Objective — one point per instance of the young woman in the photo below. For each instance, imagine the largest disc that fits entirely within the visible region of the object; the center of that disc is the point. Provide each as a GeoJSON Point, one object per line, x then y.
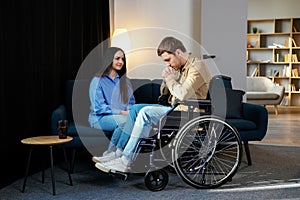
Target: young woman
{"type": "Point", "coordinates": [111, 93]}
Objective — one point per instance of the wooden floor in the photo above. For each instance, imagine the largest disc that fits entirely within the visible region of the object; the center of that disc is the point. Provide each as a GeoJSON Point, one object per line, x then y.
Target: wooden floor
{"type": "Point", "coordinates": [283, 129]}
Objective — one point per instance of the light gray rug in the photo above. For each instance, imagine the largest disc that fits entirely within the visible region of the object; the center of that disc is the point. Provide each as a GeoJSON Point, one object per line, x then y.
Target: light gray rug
{"type": "Point", "coordinates": [272, 166]}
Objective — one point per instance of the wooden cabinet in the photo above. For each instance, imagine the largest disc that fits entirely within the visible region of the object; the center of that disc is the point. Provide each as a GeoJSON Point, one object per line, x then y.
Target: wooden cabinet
{"type": "Point", "coordinates": [274, 51]}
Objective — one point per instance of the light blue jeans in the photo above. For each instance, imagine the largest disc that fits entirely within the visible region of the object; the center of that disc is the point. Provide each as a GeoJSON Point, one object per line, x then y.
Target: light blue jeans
{"type": "Point", "coordinates": [121, 135]}
{"type": "Point", "coordinates": [110, 122]}
{"type": "Point", "coordinates": [147, 116]}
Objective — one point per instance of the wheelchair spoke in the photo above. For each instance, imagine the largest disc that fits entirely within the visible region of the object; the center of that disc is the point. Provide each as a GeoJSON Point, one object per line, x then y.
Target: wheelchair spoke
{"type": "Point", "coordinates": [207, 152]}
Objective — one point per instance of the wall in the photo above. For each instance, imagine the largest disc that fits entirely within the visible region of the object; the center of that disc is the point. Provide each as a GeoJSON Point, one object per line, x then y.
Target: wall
{"type": "Point", "coordinates": [223, 34]}
{"type": "Point", "coordinates": [148, 22]}
{"type": "Point", "coordinates": [134, 14]}
{"type": "Point", "coordinates": [273, 9]}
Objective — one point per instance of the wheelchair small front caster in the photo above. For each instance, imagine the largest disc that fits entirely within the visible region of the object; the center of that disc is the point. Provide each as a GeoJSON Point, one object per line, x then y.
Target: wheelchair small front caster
{"type": "Point", "coordinates": [156, 180]}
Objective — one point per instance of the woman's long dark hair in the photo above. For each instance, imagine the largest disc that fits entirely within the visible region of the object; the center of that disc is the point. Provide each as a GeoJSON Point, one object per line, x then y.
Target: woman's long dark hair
{"type": "Point", "coordinates": [107, 64]}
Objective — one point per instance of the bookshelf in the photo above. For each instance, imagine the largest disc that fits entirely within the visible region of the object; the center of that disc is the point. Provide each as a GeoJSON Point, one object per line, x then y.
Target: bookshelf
{"type": "Point", "coordinates": [274, 51]}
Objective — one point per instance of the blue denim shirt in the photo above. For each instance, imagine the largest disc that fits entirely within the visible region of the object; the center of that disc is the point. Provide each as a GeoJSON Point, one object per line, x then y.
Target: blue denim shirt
{"type": "Point", "coordinates": [105, 97]}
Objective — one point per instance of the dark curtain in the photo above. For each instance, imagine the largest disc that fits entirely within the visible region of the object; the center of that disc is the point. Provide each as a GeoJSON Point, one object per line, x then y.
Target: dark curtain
{"type": "Point", "coordinates": [42, 44]}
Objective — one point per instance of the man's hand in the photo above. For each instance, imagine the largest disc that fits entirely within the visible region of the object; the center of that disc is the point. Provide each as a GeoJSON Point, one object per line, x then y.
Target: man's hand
{"type": "Point", "coordinates": [170, 73]}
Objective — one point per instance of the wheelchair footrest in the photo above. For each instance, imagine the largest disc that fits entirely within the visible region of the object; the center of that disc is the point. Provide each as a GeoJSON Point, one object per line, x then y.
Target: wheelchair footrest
{"type": "Point", "coordinates": [117, 174]}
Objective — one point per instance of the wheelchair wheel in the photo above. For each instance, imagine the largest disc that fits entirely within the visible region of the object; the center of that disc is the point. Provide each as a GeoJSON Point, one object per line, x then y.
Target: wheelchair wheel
{"type": "Point", "coordinates": [207, 152]}
{"type": "Point", "coordinates": [156, 180]}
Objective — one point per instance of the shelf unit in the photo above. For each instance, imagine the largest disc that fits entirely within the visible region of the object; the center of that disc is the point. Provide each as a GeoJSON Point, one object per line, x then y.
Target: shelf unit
{"type": "Point", "coordinates": [274, 51]}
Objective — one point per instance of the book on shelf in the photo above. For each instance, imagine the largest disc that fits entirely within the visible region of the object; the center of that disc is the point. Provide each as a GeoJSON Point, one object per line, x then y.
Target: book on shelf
{"type": "Point", "coordinates": [269, 72]}
{"type": "Point", "coordinates": [285, 101]}
{"type": "Point", "coordinates": [284, 72]}
{"type": "Point", "coordinates": [288, 71]}
{"type": "Point", "coordinates": [254, 72]}
{"type": "Point", "coordinates": [294, 42]}
{"type": "Point", "coordinates": [295, 73]}
{"type": "Point", "coordinates": [275, 45]}
{"type": "Point", "coordinates": [293, 87]}
{"type": "Point", "coordinates": [280, 74]}
{"type": "Point", "coordinates": [294, 58]}
{"type": "Point", "coordinates": [287, 58]}
{"type": "Point", "coordinates": [276, 72]}
{"type": "Point", "coordinates": [287, 43]}
{"type": "Point", "coordinates": [294, 28]}
{"type": "Point", "coordinates": [290, 42]}
{"type": "Point", "coordinates": [256, 45]}
{"type": "Point", "coordinates": [265, 61]}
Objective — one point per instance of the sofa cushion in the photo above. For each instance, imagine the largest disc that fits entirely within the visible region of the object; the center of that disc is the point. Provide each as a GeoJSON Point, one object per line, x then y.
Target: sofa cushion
{"type": "Point", "coordinates": [242, 124]}
{"type": "Point", "coordinates": [156, 83]}
{"type": "Point", "coordinates": [85, 131]}
{"type": "Point", "coordinates": [258, 83]}
{"type": "Point", "coordinates": [262, 95]}
{"type": "Point", "coordinates": [142, 90]}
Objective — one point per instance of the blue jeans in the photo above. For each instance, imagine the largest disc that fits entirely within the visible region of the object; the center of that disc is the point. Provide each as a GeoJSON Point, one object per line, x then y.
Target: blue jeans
{"type": "Point", "coordinates": [110, 122]}
{"type": "Point", "coordinates": [147, 116]}
{"type": "Point", "coordinates": [121, 134]}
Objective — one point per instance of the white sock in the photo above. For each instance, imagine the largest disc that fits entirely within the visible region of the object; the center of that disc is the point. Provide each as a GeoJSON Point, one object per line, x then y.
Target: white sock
{"type": "Point", "coordinates": [126, 161]}
{"type": "Point", "coordinates": [119, 153]}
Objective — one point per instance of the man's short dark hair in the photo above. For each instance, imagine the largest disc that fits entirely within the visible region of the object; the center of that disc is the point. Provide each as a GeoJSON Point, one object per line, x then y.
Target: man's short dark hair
{"type": "Point", "coordinates": [170, 45]}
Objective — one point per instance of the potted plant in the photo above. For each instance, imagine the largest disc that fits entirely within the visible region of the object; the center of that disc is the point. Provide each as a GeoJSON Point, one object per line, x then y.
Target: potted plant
{"type": "Point", "coordinates": [254, 29]}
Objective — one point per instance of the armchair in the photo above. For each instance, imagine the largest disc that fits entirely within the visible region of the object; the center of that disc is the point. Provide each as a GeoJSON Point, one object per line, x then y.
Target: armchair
{"type": "Point", "coordinates": [250, 120]}
{"type": "Point", "coordinates": [262, 91]}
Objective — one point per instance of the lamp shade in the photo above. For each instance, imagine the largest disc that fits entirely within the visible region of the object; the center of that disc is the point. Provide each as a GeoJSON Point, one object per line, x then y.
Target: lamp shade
{"type": "Point", "coordinates": [121, 39]}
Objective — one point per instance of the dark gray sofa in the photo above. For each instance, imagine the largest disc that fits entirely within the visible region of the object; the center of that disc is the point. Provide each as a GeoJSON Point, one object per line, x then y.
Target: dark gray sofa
{"type": "Point", "coordinates": [252, 127]}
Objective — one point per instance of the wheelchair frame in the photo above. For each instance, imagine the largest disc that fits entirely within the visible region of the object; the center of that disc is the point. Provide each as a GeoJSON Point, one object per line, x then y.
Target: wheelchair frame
{"type": "Point", "coordinates": [205, 152]}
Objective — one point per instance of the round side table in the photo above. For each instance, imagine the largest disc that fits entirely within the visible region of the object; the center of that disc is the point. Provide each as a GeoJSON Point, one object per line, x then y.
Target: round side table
{"type": "Point", "coordinates": [50, 141]}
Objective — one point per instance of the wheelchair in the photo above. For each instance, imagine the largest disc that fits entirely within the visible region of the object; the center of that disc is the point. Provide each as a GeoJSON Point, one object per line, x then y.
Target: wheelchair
{"type": "Point", "coordinates": [200, 147]}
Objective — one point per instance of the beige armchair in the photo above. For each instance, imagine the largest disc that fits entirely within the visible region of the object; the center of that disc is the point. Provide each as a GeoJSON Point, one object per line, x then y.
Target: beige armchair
{"type": "Point", "coordinates": [262, 91]}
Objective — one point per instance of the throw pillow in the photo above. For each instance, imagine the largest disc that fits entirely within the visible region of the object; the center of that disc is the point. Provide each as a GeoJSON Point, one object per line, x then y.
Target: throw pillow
{"type": "Point", "coordinates": [234, 103]}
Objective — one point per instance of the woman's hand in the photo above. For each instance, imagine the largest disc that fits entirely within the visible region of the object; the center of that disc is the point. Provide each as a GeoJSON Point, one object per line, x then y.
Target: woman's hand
{"type": "Point", "coordinates": [124, 112]}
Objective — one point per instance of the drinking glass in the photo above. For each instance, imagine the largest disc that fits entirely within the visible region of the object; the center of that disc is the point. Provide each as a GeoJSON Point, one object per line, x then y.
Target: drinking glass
{"type": "Point", "coordinates": [62, 126]}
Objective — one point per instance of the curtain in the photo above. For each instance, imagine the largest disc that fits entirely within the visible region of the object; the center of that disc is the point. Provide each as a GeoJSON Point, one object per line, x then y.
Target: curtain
{"type": "Point", "coordinates": [42, 44]}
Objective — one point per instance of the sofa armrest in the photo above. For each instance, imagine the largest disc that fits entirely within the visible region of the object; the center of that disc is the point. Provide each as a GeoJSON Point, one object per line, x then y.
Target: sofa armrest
{"type": "Point", "coordinates": [58, 114]}
{"type": "Point", "coordinates": [258, 114]}
{"type": "Point", "coordinates": [277, 89]}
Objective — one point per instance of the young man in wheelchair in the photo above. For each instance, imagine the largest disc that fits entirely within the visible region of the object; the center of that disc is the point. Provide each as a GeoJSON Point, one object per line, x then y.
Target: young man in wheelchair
{"type": "Point", "coordinates": [185, 77]}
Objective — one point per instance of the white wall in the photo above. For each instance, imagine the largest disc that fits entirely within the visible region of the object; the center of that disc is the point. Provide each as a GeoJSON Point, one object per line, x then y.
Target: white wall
{"type": "Point", "coordinates": [147, 22]}
{"type": "Point", "coordinates": [223, 22]}
{"type": "Point", "coordinates": [224, 27]}
{"type": "Point", "coordinates": [172, 14]}
{"type": "Point", "coordinates": [273, 9]}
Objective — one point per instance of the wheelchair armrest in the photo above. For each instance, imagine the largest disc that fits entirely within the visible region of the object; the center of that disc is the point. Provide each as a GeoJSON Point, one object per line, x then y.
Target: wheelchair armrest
{"type": "Point", "coordinates": [195, 103]}
{"type": "Point", "coordinates": [59, 113]}
{"type": "Point", "coordinates": [191, 103]}
{"type": "Point", "coordinates": [204, 102]}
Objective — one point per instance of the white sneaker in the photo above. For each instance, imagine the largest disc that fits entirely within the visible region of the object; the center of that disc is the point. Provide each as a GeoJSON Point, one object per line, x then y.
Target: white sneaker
{"type": "Point", "coordinates": [109, 156]}
{"type": "Point", "coordinates": [113, 166]}
{"type": "Point", "coordinates": [106, 152]}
